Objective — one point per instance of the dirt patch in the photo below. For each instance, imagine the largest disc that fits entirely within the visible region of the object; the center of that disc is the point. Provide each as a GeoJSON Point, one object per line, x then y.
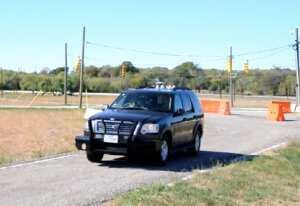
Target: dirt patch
{"type": "Point", "coordinates": [27, 134]}
{"type": "Point", "coordinates": [49, 100]}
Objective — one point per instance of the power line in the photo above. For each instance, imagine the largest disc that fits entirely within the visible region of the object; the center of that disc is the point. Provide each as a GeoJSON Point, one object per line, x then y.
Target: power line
{"type": "Point", "coordinates": [148, 52]}
{"type": "Point", "coordinates": [264, 50]}
{"type": "Point", "coordinates": [189, 55]}
{"type": "Point", "coordinates": [269, 55]}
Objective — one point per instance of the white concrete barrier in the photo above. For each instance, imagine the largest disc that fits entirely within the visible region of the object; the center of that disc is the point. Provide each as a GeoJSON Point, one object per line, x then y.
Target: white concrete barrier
{"type": "Point", "coordinates": [294, 108]}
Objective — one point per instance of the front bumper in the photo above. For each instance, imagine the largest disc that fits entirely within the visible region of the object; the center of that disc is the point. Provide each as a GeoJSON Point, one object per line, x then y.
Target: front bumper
{"type": "Point", "coordinates": [139, 144]}
{"type": "Point", "coordinates": [82, 142]}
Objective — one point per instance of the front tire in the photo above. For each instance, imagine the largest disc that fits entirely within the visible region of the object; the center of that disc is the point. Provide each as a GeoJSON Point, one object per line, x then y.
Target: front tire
{"type": "Point", "coordinates": [95, 157]}
{"type": "Point", "coordinates": [164, 152]}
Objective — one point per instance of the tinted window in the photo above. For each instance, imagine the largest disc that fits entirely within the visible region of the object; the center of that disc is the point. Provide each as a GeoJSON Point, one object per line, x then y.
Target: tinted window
{"type": "Point", "coordinates": [196, 101]}
{"type": "Point", "coordinates": [187, 105]}
{"type": "Point", "coordinates": [160, 102]}
{"type": "Point", "coordinates": [177, 103]}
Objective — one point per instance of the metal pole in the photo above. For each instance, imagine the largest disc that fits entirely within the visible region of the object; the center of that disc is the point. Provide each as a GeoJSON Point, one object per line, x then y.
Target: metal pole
{"type": "Point", "coordinates": [66, 73]}
{"type": "Point", "coordinates": [230, 79]}
{"type": "Point", "coordinates": [82, 68]}
{"type": "Point", "coordinates": [2, 82]}
{"type": "Point", "coordinates": [298, 70]}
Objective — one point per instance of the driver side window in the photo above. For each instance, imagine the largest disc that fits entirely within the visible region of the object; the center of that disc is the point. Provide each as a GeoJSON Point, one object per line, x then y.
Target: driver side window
{"type": "Point", "coordinates": [177, 103]}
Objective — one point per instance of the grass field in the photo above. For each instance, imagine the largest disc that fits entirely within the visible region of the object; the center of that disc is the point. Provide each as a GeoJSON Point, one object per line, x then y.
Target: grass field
{"type": "Point", "coordinates": [49, 100]}
{"type": "Point", "coordinates": [272, 179]}
{"type": "Point", "coordinates": [32, 133]}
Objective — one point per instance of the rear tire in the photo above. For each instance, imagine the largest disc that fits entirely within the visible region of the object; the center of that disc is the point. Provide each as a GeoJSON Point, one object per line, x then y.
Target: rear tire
{"type": "Point", "coordinates": [95, 157]}
{"type": "Point", "coordinates": [196, 144]}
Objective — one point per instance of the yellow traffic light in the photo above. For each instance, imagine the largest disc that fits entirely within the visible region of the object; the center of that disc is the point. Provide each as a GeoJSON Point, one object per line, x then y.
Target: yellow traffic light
{"type": "Point", "coordinates": [246, 67]}
{"type": "Point", "coordinates": [123, 71]}
{"type": "Point", "coordinates": [229, 65]}
{"type": "Point", "coordinates": [77, 64]}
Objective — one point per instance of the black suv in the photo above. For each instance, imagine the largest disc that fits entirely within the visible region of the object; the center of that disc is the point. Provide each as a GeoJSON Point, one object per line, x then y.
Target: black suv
{"type": "Point", "coordinates": [148, 120]}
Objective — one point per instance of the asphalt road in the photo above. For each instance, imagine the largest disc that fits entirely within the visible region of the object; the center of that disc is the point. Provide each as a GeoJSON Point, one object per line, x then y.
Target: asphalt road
{"type": "Point", "coordinates": [72, 180]}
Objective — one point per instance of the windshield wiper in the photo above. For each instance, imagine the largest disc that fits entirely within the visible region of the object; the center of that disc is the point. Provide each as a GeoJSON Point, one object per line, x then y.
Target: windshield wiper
{"type": "Point", "coordinates": [134, 108]}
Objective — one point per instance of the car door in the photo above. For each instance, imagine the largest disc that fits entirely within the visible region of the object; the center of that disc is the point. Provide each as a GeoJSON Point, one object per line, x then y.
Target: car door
{"type": "Point", "coordinates": [177, 121]}
{"type": "Point", "coordinates": [188, 119]}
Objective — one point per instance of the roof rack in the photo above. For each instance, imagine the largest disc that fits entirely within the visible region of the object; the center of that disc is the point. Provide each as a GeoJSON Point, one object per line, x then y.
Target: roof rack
{"type": "Point", "coordinates": [143, 87]}
{"type": "Point", "coordinates": [181, 88]}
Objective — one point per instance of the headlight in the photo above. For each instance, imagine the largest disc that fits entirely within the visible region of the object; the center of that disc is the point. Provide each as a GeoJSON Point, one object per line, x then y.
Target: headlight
{"type": "Point", "coordinates": [86, 126]}
{"type": "Point", "coordinates": [98, 126]}
{"type": "Point", "coordinates": [150, 128]}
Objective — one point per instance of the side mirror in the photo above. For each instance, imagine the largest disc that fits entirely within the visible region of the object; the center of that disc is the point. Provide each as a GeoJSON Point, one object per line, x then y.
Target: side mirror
{"type": "Point", "coordinates": [103, 107]}
{"type": "Point", "coordinates": [179, 112]}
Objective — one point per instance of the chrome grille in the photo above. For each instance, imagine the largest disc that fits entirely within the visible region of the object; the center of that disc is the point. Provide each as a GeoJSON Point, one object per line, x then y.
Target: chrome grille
{"type": "Point", "coordinates": [118, 127]}
{"type": "Point", "coordinates": [111, 128]}
{"type": "Point", "coordinates": [126, 129]}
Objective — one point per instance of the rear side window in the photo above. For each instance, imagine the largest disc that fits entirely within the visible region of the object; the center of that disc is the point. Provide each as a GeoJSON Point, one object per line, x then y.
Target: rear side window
{"type": "Point", "coordinates": [177, 103]}
{"type": "Point", "coordinates": [187, 105]}
{"type": "Point", "coordinates": [196, 102]}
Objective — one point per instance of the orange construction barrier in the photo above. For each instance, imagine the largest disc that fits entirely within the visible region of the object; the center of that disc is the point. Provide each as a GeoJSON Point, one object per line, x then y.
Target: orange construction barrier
{"type": "Point", "coordinates": [286, 105]}
{"type": "Point", "coordinates": [224, 108]}
{"type": "Point", "coordinates": [216, 106]}
{"type": "Point", "coordinates": [275, 112]}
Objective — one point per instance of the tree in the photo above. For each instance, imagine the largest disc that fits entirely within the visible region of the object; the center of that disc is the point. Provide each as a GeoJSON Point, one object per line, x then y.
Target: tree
{"type": "Point", "coordinates": [45, 70]}
{"type": "Point", "coordinates": [184, 72]}
{"type": "Point", "coordinates": [58, 83]}
{"type": "Point", "coordinates": [57, 71]}
{"type": "Point", "coordinates": [92, 71]}
{"type": "Point", "coordinates": [129, 67]}
{"type": "Point", "coordinates": [12, 81]}
{"type": "Point", "coordinates": [275, 81]}
{"type": "Point", "coordinates": [45, 84]}
{"type": "Point", "coordinates": [30, 82]}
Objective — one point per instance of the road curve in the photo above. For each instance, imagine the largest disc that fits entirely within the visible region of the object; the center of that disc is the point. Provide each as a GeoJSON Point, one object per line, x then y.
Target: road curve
{"type": "Point", "coordinates": [72, 180]}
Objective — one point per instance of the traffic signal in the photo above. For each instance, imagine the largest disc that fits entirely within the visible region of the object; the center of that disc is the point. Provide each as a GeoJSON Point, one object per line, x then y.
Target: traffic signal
{"type": "Point", "coordinates": [77, 65]}
{"type": "Point", "coordinates": [123, 71]}
{"type": "Point", "coordinates": [229, 65]}
{"type": "Point", "coordinates": [246, 68]}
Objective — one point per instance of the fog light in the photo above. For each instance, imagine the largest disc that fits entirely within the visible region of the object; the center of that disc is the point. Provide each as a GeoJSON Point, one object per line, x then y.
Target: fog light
{"type": "Point", "coordinates": [83, 146]}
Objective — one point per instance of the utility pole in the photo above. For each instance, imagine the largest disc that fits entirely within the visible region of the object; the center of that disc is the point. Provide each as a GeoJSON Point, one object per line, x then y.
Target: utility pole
{"type": "Point", "coordinates": [66, 73]}
{"type": "Point", "coordinates": [230, 78]}
{"type": "Point", "coordinates": [2, 82]}
{"type": "Point", "coordinates": [82, 68]}
{"type": "Point", "coordinates": [298, 70]}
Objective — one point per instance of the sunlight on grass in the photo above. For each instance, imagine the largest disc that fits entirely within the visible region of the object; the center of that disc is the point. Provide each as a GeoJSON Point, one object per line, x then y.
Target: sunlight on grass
{"type": "Point", "coordinates": [266, 180]}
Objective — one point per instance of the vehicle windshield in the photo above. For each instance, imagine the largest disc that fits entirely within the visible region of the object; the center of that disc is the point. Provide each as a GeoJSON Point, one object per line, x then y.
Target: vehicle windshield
{"type": "Point", "coordinates": [160, 102]}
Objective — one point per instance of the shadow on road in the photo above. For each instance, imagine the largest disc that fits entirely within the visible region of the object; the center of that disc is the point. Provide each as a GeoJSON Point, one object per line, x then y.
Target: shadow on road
{"type": "Point", "coordinates": [180, 162]}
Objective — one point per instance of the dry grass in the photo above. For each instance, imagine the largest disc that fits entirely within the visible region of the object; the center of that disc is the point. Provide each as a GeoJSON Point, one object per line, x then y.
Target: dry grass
{"type": "Point", "coordinates": [49, 100]}
{"type": "Point", "coordinates": [27, 134]}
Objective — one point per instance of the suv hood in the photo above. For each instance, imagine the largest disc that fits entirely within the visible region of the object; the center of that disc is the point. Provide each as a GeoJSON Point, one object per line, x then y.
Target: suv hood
{"type": "Point", "coordinates": [129, 115]}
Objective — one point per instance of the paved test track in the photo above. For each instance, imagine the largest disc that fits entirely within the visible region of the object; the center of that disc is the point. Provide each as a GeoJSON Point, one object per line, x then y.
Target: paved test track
{"type": "Point", "coordinates": [72, 180]}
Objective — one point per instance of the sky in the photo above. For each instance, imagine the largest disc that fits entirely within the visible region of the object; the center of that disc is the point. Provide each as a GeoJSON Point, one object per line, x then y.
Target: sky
{"type": "Point", "coordinates": [33, 33]}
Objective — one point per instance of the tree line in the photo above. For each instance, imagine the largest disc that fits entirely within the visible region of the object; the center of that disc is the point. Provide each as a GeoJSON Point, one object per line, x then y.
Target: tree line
{"type": "Point", "coordinates": [273, 81]}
